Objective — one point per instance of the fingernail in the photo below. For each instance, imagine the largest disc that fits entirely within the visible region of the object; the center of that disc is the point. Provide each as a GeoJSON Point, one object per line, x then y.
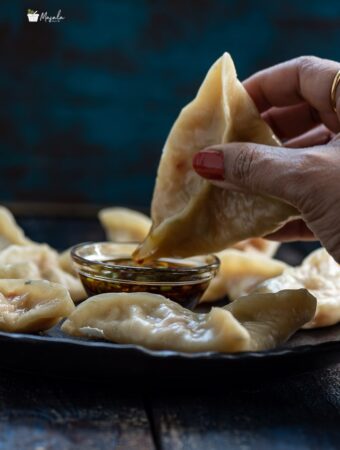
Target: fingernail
{"type": "Point", "coordinates": [209, 164]}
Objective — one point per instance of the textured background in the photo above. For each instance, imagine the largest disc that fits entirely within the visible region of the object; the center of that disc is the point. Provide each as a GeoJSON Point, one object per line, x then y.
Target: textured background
{"type": "Point", "coordinates": [86, 104]}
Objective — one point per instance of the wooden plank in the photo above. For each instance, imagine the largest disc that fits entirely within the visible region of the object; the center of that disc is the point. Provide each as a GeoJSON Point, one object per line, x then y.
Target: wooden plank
{"type": "Point", "coordinates": [299, 413]}
{"type": "Point", "coordinates": [40, 414]}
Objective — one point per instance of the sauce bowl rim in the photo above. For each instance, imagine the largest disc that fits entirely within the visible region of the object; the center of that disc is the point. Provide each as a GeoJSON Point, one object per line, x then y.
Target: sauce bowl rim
{"type": "Point", "coordinates": [81, 260]}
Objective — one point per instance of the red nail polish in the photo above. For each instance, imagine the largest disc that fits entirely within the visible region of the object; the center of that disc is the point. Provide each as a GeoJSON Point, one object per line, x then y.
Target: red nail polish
{"type": "Point", "coordinates": [209, 164]}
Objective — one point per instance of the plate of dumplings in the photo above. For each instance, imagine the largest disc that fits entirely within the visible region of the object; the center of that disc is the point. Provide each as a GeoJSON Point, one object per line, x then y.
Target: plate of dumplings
{"type": "Point", "coordinates": [257, 315]}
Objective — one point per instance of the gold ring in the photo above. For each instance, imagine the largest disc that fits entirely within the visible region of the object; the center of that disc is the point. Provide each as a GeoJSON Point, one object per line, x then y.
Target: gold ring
{"type": "Point", "coordinates": [334, 87]}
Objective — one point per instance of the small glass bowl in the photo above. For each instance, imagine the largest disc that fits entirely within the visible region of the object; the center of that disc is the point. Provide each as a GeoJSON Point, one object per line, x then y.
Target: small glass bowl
{"type": "Point", "coordinates": [104, 267]}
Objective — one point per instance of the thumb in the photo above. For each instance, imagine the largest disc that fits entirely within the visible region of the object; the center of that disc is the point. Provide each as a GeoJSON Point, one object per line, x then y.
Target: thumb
{"type": "Point", "coordinates": [250, 167]}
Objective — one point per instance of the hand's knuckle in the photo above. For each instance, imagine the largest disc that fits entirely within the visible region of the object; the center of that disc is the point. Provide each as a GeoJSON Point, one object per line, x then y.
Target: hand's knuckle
{"type": "Point", "coordinates": [307, 61]}
{"type": "Point", "coordinates": [244, 162]}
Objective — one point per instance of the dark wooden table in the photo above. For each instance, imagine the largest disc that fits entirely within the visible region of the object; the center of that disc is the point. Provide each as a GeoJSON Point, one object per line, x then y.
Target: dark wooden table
{"type": "Point", "coordinates": [46, 413]}
{"type": "Point", "coordinates": [302, 412]}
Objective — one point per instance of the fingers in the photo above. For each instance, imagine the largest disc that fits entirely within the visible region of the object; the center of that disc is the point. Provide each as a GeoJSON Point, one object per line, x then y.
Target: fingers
{"type": "Point", "coordinates": [318, 136]}
{"type": "Point", "coordinates": [250, 167]}
{"type": "Point", "coordinates": [290, 121]}
{"type": "Point", "coordinates": [296, 230]}
{"type": "Point", "coordinates": [306, 79]}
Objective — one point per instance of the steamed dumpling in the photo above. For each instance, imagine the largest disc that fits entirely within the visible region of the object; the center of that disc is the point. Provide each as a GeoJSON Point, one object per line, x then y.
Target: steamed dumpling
{"type": "Point", "coordinates": [46, 262]}
{"type": "Point", "coordinates": [30, 306]}
{"type": "Point", "coordinates": [10, 232]}
{"type": "Point", "coordinates": [271, 320]}
{"type": "Point", "coordinates": [23, 270]}
{"type": "Point", "coordinates": [66, 263]}
{"type": "Point", "coordinates": [251, 323]}
{"type": "Point", "coordinates": [240, 272]}
{"type": "Point", "coordinates": [189, 215]}
{"type": "Point", "coordinates": [67, 275]}
{"type": "Point", "coordinates": [320, 274]}
{"type": "Point", "coordinates": [22, 258]}
{"type": "Point", "coordinates": [127, 225]}
{"type": "Point", "coordinates": [71, 282]}
{"type": "Point", "coordinates": [123, 224]}
{"type": "Point", "coordinates": [41, 255]}
{"type": "Point", "coordinates": [11, 235]}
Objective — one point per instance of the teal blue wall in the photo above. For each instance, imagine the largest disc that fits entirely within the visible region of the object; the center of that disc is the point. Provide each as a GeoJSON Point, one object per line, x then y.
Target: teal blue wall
{"type": "Point", "coordinates": [86, 104]}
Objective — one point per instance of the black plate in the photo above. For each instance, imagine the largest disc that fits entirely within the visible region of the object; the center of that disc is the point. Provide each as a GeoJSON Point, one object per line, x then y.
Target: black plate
{"type": "Point", "coordinates": [54, 354]}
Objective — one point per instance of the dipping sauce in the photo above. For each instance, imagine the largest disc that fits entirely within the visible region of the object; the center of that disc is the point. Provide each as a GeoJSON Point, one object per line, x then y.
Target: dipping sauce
{"type": "Point", "coordinates": [187, 294]}
{"type": "Point", "coordinates": [181, 280]}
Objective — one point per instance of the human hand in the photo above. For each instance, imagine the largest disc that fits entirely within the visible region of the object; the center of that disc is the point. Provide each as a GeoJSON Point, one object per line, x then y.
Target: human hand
{"type": "Point", "coordinates": [294, 98]}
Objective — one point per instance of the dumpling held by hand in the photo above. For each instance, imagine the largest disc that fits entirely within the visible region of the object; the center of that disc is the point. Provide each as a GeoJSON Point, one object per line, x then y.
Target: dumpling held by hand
{"type": "Point", "coordinates": [189, 215]}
